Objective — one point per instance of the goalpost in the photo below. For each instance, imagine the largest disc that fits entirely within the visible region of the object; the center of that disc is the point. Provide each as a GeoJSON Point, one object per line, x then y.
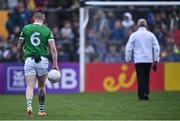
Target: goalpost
{"type": "Point", "coordinates": [84, 18]}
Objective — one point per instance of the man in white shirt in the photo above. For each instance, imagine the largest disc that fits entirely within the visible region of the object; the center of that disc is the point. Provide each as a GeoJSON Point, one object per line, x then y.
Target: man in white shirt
{"type": "Point", "coordinates": [144, 46]}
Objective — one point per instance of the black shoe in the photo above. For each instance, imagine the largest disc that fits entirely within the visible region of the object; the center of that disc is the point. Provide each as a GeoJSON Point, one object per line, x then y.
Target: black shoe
{"type": "Point", "coordinates": [146, 97]}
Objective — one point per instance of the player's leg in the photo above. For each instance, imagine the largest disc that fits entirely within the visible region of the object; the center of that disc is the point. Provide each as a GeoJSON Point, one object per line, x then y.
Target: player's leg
{"type": "Point", "coordinates": [42, 70]}
{"type": "Point", "coordinates": [147, 75]}
{"type": "Point", "coordinates": [30, 82]}
{"type": "Point", "coordinates": [30, 76]}
{"type": "Point", "coordinates": [41, 95]}
{"type": "Point", "coordinates": [140, 79]}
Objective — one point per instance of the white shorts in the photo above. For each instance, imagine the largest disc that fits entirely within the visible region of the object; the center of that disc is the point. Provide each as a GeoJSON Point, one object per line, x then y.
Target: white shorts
{"type": "Point", "coordinates": [32, 68]}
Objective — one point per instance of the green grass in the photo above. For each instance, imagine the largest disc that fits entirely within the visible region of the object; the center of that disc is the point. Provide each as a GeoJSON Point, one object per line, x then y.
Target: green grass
{"type": "Point", "coordinates": [99, 106]}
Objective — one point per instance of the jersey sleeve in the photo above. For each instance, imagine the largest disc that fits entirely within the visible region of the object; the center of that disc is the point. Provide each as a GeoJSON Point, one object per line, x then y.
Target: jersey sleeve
{"type": "Point", "coordinates": [129, 48]}
{"type": "Point", "coordinates": [51, 36]}
{"type": "Point", "coordinates": [22, 34]}
{"type": "Point", "coordinates": [156, 49]}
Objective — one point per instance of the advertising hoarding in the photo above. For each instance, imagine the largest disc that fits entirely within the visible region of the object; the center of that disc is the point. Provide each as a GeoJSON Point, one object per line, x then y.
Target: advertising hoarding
{"type": "Point", "coordinates": [14, 79]}
{"type": "Point", "coordinates": [102, 77]}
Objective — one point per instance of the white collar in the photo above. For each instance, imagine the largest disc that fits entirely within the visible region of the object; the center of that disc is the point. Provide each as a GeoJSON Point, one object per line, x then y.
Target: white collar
{"type": "Point", "coordinates": [38, 23]}
{"type": "Point", "coordinates": [142, 28]}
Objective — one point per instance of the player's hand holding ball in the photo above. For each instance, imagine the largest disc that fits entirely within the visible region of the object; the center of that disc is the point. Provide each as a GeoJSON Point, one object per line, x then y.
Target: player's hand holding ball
{"type": "Point", "coordinates": [54, 75]}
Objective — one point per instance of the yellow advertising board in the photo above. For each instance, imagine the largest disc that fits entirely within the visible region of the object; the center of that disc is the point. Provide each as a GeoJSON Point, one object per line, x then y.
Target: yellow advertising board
{"type": "Point", "coordinates": [172, 76]}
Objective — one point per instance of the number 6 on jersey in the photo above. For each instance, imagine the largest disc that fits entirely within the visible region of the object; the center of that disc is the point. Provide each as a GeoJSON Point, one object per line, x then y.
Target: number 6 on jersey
{"type": "Point", "coordinates": [35, 39]}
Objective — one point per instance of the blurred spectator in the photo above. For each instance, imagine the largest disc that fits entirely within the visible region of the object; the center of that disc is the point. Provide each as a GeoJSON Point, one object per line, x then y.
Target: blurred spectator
{"type": "Point", "coordinates": [14, 56]}
{"type": "Point", "coordinates": [127, 20]}
{"type": "Point", "coordinates": [104, 34]}
{"type": "Point", "coordinates": [160, 36]}
{"type": "Point", "coordinates": [62, 55]}
{"type": "Point", "coordinates": [100, 21]}
{"type": "Point", "coordinates": [56, 33]}
{"type": "Point", "coordinates": [40, 4]}
{"type": "Point", "coordinates": [118, 32]}
{"type": "Point", "coordinates": [10, 24]}
{"type": "Point", "coordinates": [165, 22]}
{"type": "Point", "coordinates": [3, 4]}
{"type": "Point", "coordinates": [160, 23]}
{"type": "Point", "coordinates": [20, 15]}
{"type": "Point", "coordinates": [175, 35]}
{"type": "Point", "coordinates": [92, 37]}
{"type": "Point", "coordinates": [168, 52]}
{"type": "Point", "coordinates": [60, 4]}
{"type": "Point", "coordinates": [150, 20]}
{"type": "Point", "coordinates": [89, 52]}
{"type": "Point", "coordinates": [76, 31]}
{"type": "Point", "coordinates": [111, 20]}
{"type": "Point", "coordinates": [112, 55]}
{"type": "Point", "coordinates": [12, 3]}
{"type": "Point", "coordinates": [66, 32]}
{"type": "Point", "coordinates": [100, 47]}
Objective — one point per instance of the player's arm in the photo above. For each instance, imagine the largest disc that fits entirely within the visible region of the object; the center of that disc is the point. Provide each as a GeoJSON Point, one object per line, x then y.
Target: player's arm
{"type": "Point", "coordinates": [156, 49]}
{"type": "Point", "coordinates": [129, 48]}
{"type": "Point", "coordinates": [21, 41]}
{"type": "Point", "coordinates": [156, 52]}
{"type": "Point", "coordinates": [53, 51]}
{"type": "Point", "coordinates": [20, 44]}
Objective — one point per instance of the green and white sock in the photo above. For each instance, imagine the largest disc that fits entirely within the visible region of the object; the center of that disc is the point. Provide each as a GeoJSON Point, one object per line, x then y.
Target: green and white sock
{"type": "Point", "coordinates": [41, 108]}
{"type": "Point", "coordinates": [29, 103]}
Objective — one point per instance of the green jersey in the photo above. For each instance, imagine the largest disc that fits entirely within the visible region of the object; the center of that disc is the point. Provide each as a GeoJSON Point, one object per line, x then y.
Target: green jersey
{"type": "Point", "coordinates": [36, 37]}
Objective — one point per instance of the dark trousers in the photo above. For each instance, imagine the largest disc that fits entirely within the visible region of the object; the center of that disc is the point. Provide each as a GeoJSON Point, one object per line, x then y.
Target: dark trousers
{"type": "Point", "coordinates": [143, 75]}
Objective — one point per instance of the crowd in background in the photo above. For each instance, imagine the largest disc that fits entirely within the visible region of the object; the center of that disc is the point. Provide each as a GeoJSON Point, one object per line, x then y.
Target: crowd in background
{"type": "Point", "coordinates": [61, 18]}
{"type": "Point", "coordinates": [109, 30]}
{"type": "Point", "coordinates": [106, 34]}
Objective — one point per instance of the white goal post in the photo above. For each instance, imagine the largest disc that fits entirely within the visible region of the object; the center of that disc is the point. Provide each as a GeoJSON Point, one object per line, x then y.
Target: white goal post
{"type": "Point", "coordinates": [84, 18]}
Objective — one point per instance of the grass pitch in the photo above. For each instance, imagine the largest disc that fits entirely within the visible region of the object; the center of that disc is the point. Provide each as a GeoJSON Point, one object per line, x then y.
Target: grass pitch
{"type": "Point", "coordinates": [95, 106]}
